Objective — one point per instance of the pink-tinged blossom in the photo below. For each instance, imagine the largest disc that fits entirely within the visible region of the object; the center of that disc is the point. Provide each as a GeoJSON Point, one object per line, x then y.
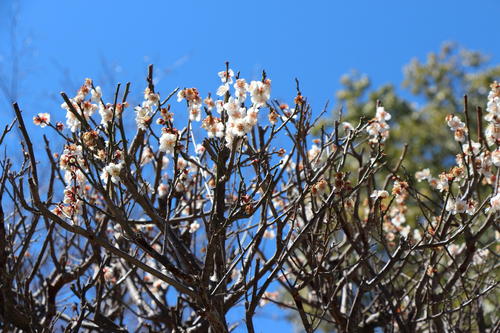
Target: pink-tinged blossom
{"type": "Point", "coordinates": [471, 207]}
{"type": "Point", "coordinates": [209, 103]}
{"type": "Point", "coordinates": [200, 149]}
{"type": "Point", "coordinates": [268, 295]}
{"type": "Point", "coordinates": [41, 119]}
{"type": "Point", "coordinates": [319, 188]}
{"type": "Point", "coordinates": [226, 76]}
{"type": "Point", "coordinates": [109, 275]}
{"type": "Point", "coordinates": [269, 234]}
{"type": "Point", "coordinates": [88, 108]}
{"type": "Point", "coordinates": [273, 117]}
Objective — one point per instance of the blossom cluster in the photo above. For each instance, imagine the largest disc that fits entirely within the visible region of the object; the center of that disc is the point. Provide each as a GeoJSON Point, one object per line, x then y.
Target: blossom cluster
{"type": "Point", "coordinates": [480, 158]}
{"type": "Point", "coordinates": [378, 129]}
{"type": "Point", "coordinates": [235, 118]}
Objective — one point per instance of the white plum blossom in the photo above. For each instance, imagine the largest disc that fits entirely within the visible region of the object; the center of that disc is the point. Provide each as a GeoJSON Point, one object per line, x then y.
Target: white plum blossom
{"type": "Point", "coordinates": [194, 226]}
{"type": "Point", "coordinates": [150, 98]}
{"type": "Point", "coordinates": [495, 157]}
{"type": "Point", "coordinates": [417, 236]}
{"type": "Point", "coordinates": [240, 90]}
{"type": "Point", "coordinates": [457, 126]}
{"type": "Point", "coordinates": [457, 206]}
{"type": "Point", "coordinates": [233, 108]}
{"type": "Point", "coordinates": [164, 162]}
{"type": "Point", "coordinates": [495, 203]}
{"type": "Point", "coordinates": [268, 295]}
{"type": "Point", "coordinates": [214, 127]}
{"type": "Point", "coordinates": [480, 256]}
{"type": "Point", "coordinates": [260, 92]}
{"type": "Point", "coordinates": [442, 183]}
{"type": "Point", "coordinates": [106, 113]}
{"type": "Point", "coordinates": [382, 115]}
{"type": "Point", "coordinates": [222, 90]}
{"type": "Point", "coordinates": [96, 95]}
{"type": "Point", "coordinates": [347, 126]}
{"type": "Point", "coordinates": [237, 127]}
{"type": "Point", "coordinates": [252, 116]}
{"type": "Point", "coordinates": [143, 116]}
{"type": "Point", "coordinates": [273, 117]}
{"type": "Point", "coordinates": [492, 131]}
{"type": "Point", "coordinates": [379, 194]}
{"type": "Point", "coordinates": [147, 155]}
{"type": "Point", "coordinates": [78, 104]}
{"type": "Point", "coordinates": [454, 122]}
{"type": "Point", "coordinates": [71, 120]}
{"type": "Point", "coordinates": [167, 142]}
{"type": "Point", "coordinates": [377, 128]}
{"type": "Point", "coordinates": [162, 190]}
{"type": "Point", "coordinates": [200, 149]}
{"type": "Point", "coordinates": [195, 113]}
{"type": "Point", "coordinates": [476, 146]}
{"type": "Point", "coordinates": [112, 170]}
{"type": "Point", "coordinates": [424, 174]}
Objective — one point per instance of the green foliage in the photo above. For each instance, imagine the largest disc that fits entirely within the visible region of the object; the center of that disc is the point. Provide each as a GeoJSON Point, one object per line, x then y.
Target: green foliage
{"type": "Point", "coordinates": [432, 90]}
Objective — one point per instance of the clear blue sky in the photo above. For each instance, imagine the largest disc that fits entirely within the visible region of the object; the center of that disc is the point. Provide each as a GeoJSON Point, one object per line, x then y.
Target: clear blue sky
{"type": "Point", "coordinates": [189, 41]}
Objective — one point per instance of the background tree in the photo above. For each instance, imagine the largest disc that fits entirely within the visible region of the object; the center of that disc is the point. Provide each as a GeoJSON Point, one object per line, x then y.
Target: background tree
{"type": "Point", "coordinates": [436, 88]}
